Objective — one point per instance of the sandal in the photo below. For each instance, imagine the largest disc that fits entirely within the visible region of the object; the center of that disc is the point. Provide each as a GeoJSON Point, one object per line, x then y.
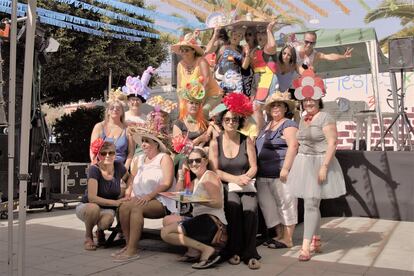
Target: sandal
{"type": "Point", "coordinates": [89, 245]}
{"type": "Point", "coordinates": [274, 244]}
{"type": "Point", "coordinates": [123, 258]}
{"type": "Point", "coordinates": [254, 263]}
{"type": "Point", "coordinates": [119, 252]}
{"type": "Point", "coordinates": [212, 260]}
{"type": "Point", "coordinates": [316, 245]}
{"type": "Point", "coordinates": [235, 260]}
{"type": "Point", "coordinates": [303, 257]}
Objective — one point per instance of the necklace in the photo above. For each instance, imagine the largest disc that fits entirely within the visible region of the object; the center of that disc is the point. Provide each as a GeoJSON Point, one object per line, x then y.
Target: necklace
{"type": "Point", "coordinates": [189, 68]}
{"type": "Point", "coordinates": [275, 124]}
{"type": "Point", "coordinates": [190, 119]}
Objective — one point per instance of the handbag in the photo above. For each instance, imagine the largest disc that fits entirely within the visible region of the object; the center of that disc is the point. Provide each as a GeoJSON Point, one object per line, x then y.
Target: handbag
{"type": "Point", "coordinates": [220, 238]}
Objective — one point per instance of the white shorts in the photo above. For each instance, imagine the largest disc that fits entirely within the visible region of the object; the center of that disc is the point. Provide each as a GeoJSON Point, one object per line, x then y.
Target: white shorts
{"type": "Point", "coordinates": [81, 210]}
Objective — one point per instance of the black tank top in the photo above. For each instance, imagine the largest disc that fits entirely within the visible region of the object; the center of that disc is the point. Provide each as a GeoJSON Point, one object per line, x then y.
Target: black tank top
{"type": "Point", "coordinates": [237, 165]}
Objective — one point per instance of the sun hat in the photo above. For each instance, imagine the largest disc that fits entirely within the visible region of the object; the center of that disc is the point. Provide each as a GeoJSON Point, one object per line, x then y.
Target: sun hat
{"type": "Point", "coordinates": [189, 40]}
{"type": "Point", "coordinates": [281, 97]}
{"type": "Point", "coordinates": [193, 90]}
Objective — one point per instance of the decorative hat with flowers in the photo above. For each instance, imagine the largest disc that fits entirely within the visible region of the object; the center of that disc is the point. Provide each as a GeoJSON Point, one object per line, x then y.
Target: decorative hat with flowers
{"type": "Point", "coordinates": [163, 104]}
{"type": "Point", "coordinates": [136, 87]}
{"type": "Point", "coordinates": [238, 104]}
{"type": "Point", "coordinates": [156, 129]}
{"type": "Point", "coordinates": [189, 40]}
{"type": "Point", "coordinates": [117, 95]}
{"type": "Point", "coordinates": [193, 91]}
{"type": "Point", "coordinates": [308, 85]}
{"type": "Point", "coordinates": [182, 144]}
{"type": "Point", "coordinates": [95, 148]}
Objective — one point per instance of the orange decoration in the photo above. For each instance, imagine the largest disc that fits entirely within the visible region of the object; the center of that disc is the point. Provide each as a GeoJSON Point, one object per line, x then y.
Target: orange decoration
{"type": "Point", "coordinates": [295, 9]}
{"type": "Point", "coordinates": [342, 6]}
{"type": "Point", "coordinates": [315, 8]}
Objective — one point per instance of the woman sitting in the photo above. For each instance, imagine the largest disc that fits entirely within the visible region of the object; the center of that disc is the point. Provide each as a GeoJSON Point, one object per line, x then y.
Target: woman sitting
{"type": "Point", "coordinates": [233, 158]}
{"type": "Point", "coordinates": [152, 172]}
{"type": "Point", "coordinates": [103, 191]}
{"type": "Point", "coordinates": [199, 232]}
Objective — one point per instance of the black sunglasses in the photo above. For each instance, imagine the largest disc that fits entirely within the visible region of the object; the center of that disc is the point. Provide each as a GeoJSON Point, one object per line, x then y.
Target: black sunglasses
{"type": "Point", "coordinates": [197, 160]}
{"type": "Point", "coordinates": [105, 153]}
{"type": "Point", "coordinates": [310, 42]}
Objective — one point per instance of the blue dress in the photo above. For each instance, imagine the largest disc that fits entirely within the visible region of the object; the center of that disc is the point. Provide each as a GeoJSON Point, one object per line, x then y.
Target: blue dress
{"type": "Point", "coordinates": [121, 145]}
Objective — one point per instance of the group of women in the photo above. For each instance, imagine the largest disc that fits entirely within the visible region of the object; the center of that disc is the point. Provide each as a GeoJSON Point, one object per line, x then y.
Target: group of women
{"type": "Point", "coordinates": [283, 161]}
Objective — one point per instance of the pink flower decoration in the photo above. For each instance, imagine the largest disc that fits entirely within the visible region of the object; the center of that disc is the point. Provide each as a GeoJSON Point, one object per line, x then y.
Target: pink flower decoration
{"type": "Point", "coordinates": [308, 85]}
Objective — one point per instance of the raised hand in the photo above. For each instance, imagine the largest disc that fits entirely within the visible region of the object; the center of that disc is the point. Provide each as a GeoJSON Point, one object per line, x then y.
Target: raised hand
{"type": "Point", "coordinates": [348, 52]}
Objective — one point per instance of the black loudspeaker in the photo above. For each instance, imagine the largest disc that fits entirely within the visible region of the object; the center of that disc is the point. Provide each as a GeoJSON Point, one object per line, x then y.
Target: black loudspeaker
{"type": "Point", "coordinates": [401, 54]}
{"type": "Point", "coordinates": [175, 59]}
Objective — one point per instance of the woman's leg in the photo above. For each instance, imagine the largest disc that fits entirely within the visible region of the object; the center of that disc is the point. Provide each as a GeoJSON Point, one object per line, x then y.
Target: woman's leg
{"type": "Point", "coordinates": [153, 209]}
{"type": "Point", "coordinates": [267, 202]}
{"type": "Point", "coordinates": [173, 234]}
{"type": "Point", "coordinates": [124, 218]}
{"type": "Point", "coordinates": [312, 219]}
{"type": "Point", "coordinates": [234, 216]}
{"type": "Point", "coordinates": [250, 221]}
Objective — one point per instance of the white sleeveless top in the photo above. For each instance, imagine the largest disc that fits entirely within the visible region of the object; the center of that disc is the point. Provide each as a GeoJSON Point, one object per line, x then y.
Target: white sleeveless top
{"type": "Point", "coordinates": [148, 178]}
{"type": "Point", "coordinates": [308, 60]}
{"type": "Point", "coordinates": [200, 209]}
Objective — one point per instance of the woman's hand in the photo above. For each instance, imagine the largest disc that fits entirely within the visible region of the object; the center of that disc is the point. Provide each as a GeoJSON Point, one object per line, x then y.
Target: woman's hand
{"type": "Point", "coordinates": [323, 171]}
{"type": "Point", "coordinates": [283, 175]}
{"type": "Point", "coordinates": [243, 180]}
{"type": "Point", "coordinates": [142, 200]}
{"type": "Point", "coordinates": [120, 201]}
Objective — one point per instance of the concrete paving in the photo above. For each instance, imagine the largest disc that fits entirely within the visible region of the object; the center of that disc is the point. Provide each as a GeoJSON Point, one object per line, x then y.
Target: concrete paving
{"type": "Point", "coordinates": [351, 246]}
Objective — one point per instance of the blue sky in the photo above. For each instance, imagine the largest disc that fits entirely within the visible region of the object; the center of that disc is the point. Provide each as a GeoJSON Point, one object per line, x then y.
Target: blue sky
{"type": "Point", "coordinates": [336, 18]}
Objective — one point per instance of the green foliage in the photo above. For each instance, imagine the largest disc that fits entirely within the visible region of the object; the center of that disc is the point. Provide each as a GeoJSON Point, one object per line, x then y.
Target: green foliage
{"type": "Point", "coordinates": [80, 69]}
{"type": "Point", "coordinates": [73, 133]}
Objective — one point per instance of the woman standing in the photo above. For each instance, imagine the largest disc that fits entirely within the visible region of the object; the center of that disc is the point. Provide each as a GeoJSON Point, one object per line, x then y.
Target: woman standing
{"type": "Point", "coordinates": [152, 172]}
{"type": "Point", "coordinates": [315, 173]}
{"type": "Point", "coordinates": [287, 68]}
{"type": "Point", "coordinates": [114, 129]}
{"type": "Point", "coordinates": [198, 232]}
{"type": "Point", "coordinates": [194, 67]}
{"type": "Point", "coordinates": [103, 191]}
{"type": "Point", "coordinates": [233, 158]}
{"type": "Point", "coordinates": [276, 147]}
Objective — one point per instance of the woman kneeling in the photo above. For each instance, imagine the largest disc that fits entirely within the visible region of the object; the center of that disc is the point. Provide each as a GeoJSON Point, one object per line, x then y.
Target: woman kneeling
{"type": "Point", "coordinates": [207, 227]}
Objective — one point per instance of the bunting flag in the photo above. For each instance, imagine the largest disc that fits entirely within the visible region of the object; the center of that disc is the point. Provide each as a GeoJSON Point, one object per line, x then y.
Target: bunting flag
{"type": "Point", "coordinates": [314, 7]}
{"type": "Point", "coordinates": [342, 6]}
{"type": "Point", "coordinates": [250, 9]}
{"type": "Point", "coordinates": [279, 9]}
{"type": "Point", "coordinates": [187, 8]}
{"type": "Point", "coordinates": [118, 16]}
{"type": "Point", "coordinates": [151, 14]}
{"type": "Point", "coordinates": [5, 6]}
{"type": "Point", "coordinates": [364, 5]}
{"type": "Point", "coordinates": [296, 9]}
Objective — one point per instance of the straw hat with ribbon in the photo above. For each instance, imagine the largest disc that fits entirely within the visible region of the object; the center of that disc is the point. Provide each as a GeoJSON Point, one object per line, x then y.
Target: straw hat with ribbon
{"type": "Point", "coordinates": [281, 97]}
{"type": "Point", "coordinates": [189, 40]}
{"type": "Point", "coordinates": [193, 91]}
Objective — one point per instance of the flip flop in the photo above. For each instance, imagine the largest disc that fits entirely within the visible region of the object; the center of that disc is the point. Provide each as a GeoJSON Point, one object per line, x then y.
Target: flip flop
{"type": "Point", "coordinates": [89, 245]}
{"type": "Point", "coordinates": [100, 236]}
{"type": "Point", "coordinates": [188, 259]}
{"type": "Point", "coordinates": [122, 258]}
{"type": "Point", "coordinates": [235, 260]}
{"type": "Point", "coordinates": [273, 244]}
{"type": "Point", "coordinates": [203, 264]}
{"type": "Point", "coordinates": [119, 252]}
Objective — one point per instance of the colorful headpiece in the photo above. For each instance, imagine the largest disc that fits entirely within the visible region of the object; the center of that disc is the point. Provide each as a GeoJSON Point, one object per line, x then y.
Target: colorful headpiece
{"type": "Point", "coordinates": [308, 85]}
{"type": "Point", "coordinates": [193, 91]}
{"type": "Point", "coordinates": [136, 87]}
{"type": "Point", "coordinates": [239, 104]}
{"type": "Point", "coordinates": [96, 147]}
{"type": "Point", "coordinates": [182, 144]}
{"type": "Point", "coordinates": [163, 104]}
{"type": "Point", "coordinates": [117, 95]}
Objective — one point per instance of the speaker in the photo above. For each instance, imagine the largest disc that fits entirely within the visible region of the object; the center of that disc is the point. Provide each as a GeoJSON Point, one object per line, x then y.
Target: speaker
{"type": "Point", "coordinates": [175, 59]}
{"type": "Point", "coordinates": [401, 54]}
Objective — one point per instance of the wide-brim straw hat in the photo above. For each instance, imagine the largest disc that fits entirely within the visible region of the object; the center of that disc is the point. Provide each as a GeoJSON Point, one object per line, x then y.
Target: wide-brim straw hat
{"type": "Point", "coordinates": [140, 132]}
{"type": "Point", "coordinates": [281, 97]}
{"type": "Point", "coordinates": [189, 40]}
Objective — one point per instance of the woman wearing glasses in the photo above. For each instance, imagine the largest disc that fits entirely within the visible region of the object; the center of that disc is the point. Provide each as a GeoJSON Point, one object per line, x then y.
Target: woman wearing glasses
{"type": "Point", "coordinates": [114, 129]}
{"type": "Point", "coordinates": [102, 194]}
{"type": "Point", "coordinates": [193, 66]}
{"type": "Point", "coordinates": [151, 173]}
{"type": "Point", "coordinates": [198, 232]}
{"type": "Point", "coordinates": [233, 158]}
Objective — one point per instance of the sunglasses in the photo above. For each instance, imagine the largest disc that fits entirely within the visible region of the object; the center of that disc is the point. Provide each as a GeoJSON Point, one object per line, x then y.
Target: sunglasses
{"type": "Point", "coordinates": [227, 120]}
{"type": "Point", "coordinates": [185, 50]}
{"type": "Point", "coordinates": [196, 160]}
{"type": "Point", "coordinates": [115, 107]}
{"type": "Point", "coordinates": [105, 153]}
{"type": "Point", "coordinates": [310, 42]}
